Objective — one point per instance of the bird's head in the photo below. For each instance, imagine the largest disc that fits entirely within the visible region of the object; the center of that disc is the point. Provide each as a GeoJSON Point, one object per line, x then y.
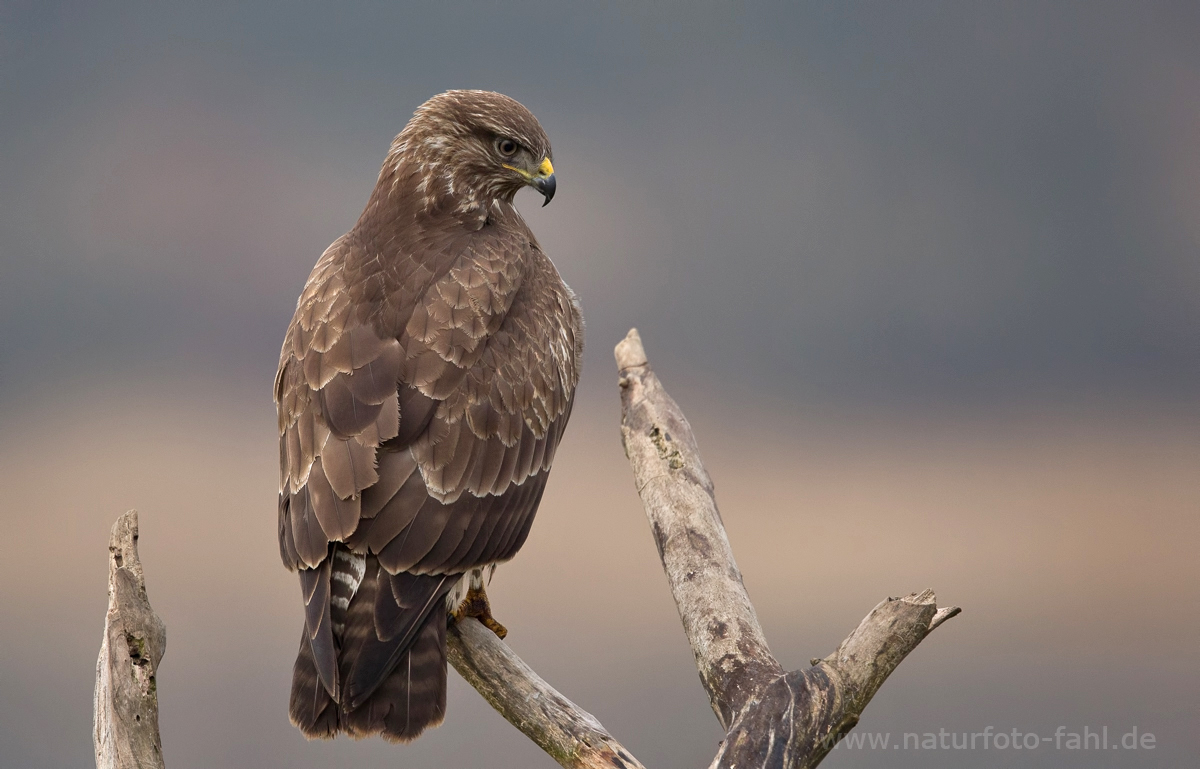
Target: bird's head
{"type": "Point", "coordinates": [470, 148]}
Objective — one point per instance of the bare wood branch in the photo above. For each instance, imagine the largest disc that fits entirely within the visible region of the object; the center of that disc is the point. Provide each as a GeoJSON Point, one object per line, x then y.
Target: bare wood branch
{"type": "Point", "coordinates": [125, 719]}
{"type": "Point", "coordinates": [573, 737]}
{"type": "Point", "coordinates": [882, 640]}
{"type": "Point", "coordinates": [719, 620]}
{"type": "Point", "coordinates": [773, 719]}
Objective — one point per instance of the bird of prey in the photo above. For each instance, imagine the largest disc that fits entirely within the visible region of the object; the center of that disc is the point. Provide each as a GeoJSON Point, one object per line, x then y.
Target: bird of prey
{"type": "Point", "coordinates": [424, 383]}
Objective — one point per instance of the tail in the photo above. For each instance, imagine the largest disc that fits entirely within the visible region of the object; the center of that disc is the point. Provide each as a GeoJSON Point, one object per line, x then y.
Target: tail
{"type": "Point", "coordinates": [409, 701]}
{"type": "Point", "coordinates": [390, 660]}
{"type": "Point", "coordinates": [311, 709]}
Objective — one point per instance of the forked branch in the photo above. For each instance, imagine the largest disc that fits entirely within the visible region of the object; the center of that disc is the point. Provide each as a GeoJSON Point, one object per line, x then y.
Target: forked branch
{"type": "Point", "coordinates": [773, 719]}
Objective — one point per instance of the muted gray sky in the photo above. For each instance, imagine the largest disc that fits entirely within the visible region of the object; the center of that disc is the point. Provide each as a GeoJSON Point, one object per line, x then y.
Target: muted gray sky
{"type": "Point", "coordinates": [884, 203]}
{"type": "Point", "coordinates": [925, 277]}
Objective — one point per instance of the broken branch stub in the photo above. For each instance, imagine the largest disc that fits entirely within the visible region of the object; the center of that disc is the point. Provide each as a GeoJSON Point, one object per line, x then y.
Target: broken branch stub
{"type": "Point", "coordinates": [125, 718]}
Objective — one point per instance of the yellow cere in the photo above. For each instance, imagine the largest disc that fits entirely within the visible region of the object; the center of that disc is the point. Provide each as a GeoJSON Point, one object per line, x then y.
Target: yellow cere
{"type": "Point", "coordinates": [546, 168]}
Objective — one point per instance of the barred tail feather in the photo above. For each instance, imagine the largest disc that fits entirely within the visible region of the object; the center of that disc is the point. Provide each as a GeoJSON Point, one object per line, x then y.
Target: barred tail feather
{"type": "Point", "coordinates": [413, 697]}
{"type": "Point", "coordinates": [411, 700]}
{"type": "Point", "coordinates": [311, 709]}
{"type": "Point", "coordinates": [389, 645]}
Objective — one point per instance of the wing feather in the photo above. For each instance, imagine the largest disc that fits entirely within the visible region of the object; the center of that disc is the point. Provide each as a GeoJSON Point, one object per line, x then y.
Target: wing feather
{"type": "Point", "coordinates": [345, 414]}
{"type": "Point", "coordinates": [394, 468]}
{"type": "Point", "coordinates": [338, 518]}
{"type": "Point", "coordinates": [417, 538]}
{"type": "Point", "coordinates": [394, 517]}
{"type": "Point", "coordinates": [314, 586]}
{"type": "Point", "coordinates": [310, 541]}
{"type": "Point", "coordinates": [349, 466]}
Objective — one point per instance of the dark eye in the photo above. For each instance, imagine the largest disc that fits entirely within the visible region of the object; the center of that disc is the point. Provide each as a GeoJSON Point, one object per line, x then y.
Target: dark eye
{"type": "Point", "coordinates": [506, 147]}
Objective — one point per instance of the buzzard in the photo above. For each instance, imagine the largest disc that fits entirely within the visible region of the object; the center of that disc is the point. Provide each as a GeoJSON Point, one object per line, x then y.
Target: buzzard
{"type": "Point", "coordinates": [424, 383]}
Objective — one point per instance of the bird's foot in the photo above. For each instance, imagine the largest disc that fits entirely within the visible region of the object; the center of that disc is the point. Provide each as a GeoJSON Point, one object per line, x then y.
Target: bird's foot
{"type": "Point", "coordinates": [476, 605]}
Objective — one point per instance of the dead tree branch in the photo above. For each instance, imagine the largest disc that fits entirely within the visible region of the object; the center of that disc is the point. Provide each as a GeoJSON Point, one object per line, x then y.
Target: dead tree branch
{"type": "Point", "coordinates": [718, 618]}
{"type": "Point", "coordinates": [774, 719]}
{"type": "Point", "coordinates": [572, 736]}
{"type": "Point", "coordinates": [125, 719]}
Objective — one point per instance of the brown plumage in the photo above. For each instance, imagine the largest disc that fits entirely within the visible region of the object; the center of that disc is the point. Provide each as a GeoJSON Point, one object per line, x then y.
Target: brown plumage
{"type": "Point", "coordinates": [424, 383]}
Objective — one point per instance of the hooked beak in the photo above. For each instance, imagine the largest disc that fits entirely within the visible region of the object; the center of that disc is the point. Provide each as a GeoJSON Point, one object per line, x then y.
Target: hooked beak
{"type": "Point", "coordinates": [544, 182]}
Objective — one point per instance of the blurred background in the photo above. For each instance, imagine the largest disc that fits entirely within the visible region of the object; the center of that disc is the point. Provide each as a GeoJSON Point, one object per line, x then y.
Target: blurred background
{"type": "Point", "coordinates": [925, 278]}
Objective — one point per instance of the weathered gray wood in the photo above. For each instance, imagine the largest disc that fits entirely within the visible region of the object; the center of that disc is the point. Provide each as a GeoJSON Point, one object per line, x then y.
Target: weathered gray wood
{"type": "Point", "coordinates": [571, 736]}
{"type": "Point", "coordinates": [882, 640]}
{"type": "Point", "coordinates": [774, 719]}
{"type": "Point", "coordinates": [125, 719]}
{"type": "Point", "coordinates": [719, 620]}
